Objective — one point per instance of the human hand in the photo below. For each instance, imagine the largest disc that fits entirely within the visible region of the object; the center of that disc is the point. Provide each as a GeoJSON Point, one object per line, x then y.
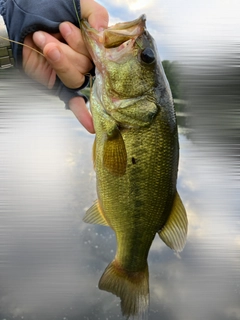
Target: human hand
{"type": "Point", "coordinates": [69, 61]}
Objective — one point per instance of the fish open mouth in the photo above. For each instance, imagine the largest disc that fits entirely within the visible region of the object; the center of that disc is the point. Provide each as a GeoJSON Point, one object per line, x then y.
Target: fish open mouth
{"type": "Point", "coordinates": [122, 32]}
{"type": "Point", "coordinates": [118, 34]}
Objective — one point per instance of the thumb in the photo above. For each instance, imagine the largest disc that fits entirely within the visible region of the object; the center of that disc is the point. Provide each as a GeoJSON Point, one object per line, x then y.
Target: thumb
{"type": "Point", "coordinates": [96, 14]}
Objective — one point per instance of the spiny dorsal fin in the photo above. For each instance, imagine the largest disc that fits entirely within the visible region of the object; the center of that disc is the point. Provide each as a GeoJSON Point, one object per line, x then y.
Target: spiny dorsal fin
{"type": "Point", "coordinates": [174, 232]}
{"type": "Point", "coordinates": [94, 215]}
{"type": "Point", "coordinates": [115, 154]}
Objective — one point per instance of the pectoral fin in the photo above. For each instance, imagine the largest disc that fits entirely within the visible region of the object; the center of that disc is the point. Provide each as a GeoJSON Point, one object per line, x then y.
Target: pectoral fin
{"type": "Point", "coordinates": [174, 232]}
{"type": "Point", "coordinates": [115, 154]}
{"type": "Point", "coordinates": [94, 215]}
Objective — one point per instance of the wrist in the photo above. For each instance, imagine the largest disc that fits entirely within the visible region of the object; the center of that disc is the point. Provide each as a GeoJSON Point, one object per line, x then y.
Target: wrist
{"type": "Point", "coordinates": [6, 57]}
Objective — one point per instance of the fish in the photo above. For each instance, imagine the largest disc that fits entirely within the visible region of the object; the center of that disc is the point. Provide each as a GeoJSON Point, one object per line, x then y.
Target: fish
{"type": "Point", "coordinates": [135, 156]}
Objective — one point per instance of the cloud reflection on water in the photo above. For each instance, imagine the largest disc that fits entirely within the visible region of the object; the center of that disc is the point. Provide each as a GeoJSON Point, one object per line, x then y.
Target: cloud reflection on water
{"type": "Point", "coordinates": [50, 261]}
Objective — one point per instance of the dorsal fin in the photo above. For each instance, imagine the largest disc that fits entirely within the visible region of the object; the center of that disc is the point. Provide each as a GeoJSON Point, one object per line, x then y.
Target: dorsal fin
{"type": "Point", "coordinates": [174, 232]}
{"type": "Point", "coordinates": [94, 215]}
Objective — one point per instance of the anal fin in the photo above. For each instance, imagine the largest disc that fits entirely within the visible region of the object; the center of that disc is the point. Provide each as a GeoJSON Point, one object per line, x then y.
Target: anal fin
{"type": "Point", "coordinates": [174, 232]}
{"type": "Point", "coordinates": [94, 215]}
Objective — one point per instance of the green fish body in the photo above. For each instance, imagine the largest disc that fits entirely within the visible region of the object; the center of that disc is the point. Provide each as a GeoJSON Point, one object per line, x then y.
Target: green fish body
{"type": "Point", "coordinates": [135, 156]}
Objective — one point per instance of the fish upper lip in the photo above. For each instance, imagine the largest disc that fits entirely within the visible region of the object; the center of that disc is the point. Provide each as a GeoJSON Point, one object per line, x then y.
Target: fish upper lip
{"type": "Point", "coordinates": [129, 24]}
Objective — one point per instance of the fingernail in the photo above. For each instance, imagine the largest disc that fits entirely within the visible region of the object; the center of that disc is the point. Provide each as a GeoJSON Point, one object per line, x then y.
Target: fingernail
{"type": "Point", "coordinates": [66, 29]}
{"type": "Point", "coordinates": [39, 39]}
{"type": "Point", "coordinates": [101, 25]}
{"type": "Point", "coordinates": [54, 55]}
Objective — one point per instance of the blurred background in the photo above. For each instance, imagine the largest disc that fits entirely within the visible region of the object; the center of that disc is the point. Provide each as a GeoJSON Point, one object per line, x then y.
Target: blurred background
{"type": "Point", "coordinates": [50, 261]}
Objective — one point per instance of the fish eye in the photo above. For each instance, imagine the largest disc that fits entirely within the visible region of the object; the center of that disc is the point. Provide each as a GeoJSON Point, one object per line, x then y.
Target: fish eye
{"type": "Point", "coordinates": [147, 55]}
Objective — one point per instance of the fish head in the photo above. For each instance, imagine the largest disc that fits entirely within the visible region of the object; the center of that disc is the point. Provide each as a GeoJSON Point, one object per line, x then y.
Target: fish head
{"type": "Point", "coordinates": [125, 56]}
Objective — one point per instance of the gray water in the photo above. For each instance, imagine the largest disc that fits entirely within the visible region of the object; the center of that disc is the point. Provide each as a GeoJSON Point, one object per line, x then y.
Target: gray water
{"type": "Point", "coordinates": [51, 261]}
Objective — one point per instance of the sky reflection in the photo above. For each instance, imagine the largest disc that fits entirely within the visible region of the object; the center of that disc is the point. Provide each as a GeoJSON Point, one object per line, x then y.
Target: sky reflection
{"type": "Point", "coordinates": [51, 262]}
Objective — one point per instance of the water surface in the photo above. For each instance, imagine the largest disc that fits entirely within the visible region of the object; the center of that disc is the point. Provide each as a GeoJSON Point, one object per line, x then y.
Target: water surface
{"type": "Point", "coordinates": [51, 262]}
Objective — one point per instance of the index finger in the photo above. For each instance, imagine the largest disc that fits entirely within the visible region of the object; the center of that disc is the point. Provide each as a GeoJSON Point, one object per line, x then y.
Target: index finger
{"type": "Point", "coordinates": [95, 13]}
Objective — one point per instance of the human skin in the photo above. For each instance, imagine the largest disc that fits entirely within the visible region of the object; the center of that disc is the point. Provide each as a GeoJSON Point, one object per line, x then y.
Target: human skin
{"type": "Point", "coordinates": [70, 61]}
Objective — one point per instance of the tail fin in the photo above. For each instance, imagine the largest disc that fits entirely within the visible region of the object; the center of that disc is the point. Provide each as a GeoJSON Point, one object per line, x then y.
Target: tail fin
{"type": "Point", "coordinates": [131, 287]}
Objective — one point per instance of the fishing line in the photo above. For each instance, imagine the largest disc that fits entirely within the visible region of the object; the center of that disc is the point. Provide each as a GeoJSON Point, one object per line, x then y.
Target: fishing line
{"type": "Point", "coordinates": [23, 44]}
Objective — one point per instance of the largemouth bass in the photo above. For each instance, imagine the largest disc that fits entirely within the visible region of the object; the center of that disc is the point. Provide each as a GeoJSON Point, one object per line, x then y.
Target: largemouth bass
{"type": "Point", "coordinates": [135, 156]}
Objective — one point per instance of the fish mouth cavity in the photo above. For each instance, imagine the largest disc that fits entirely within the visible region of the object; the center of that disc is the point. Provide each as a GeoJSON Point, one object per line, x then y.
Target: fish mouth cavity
{"type": "Point", "coordinates": [122, 33]}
